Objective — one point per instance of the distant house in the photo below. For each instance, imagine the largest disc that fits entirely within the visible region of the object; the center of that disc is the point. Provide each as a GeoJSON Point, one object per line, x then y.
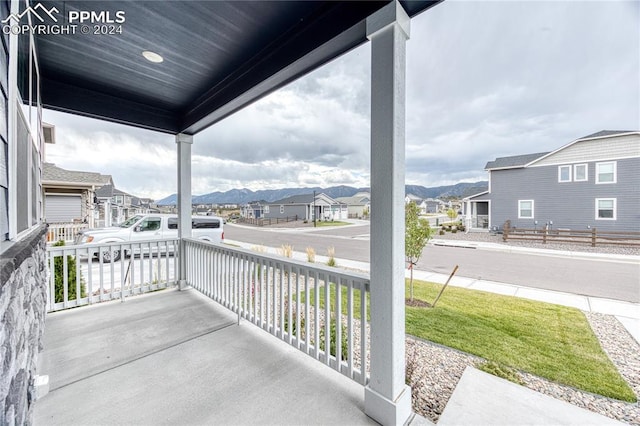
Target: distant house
{"type": "Point", "coordinates": [117, 206]}
{"type": "Point", "coordinates": [431, 205]}
{"type": "Point", "coordinates": [358, 206]}
{"type": "Point", "coordinates": [253, 210]}
{"type": "Point", "coordinates": [593, 182]}
{"type": "Point", "coordinates": [69, 194]}
{"type": "Point", "coordinates": [411, 198]}
{"type": "Point", "coordinates": [305, 207]}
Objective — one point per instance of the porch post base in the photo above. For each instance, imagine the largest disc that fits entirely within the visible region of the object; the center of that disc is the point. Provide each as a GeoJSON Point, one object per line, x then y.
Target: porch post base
{"type": "Point", "coordinates": [385, 411]}
{"type": "Point", "coordinates": [182, 285]}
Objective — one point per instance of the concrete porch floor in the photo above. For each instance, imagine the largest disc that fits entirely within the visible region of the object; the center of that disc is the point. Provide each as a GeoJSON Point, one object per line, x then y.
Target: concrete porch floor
{"type": "Point", "coordinates": [175, 357]}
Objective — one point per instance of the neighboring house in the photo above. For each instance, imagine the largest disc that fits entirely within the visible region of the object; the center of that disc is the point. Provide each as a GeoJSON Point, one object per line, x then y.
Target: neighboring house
{"type": "Point", "coordinates": [593, 182]}
{"type": "Point", "coordinates": [118, 206]}
{"type": "Point", "coordinates": [431, 205]}
{"type": "Point", "coordinates": [306, 207]}
{"type": "Point", "coordinates": [69, 194]}
{"type": "Point", "coordinates": [253, 210]}
{"type": "Point", "coordinates": [358, 206]}
{"type": "Point", "coordinates": [410, 198]}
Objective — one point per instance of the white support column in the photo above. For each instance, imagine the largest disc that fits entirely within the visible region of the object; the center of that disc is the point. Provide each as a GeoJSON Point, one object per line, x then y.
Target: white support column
{"type": "Point", "coordinates": [387, 397]}
{"type": "Point", "coordinates": [184, 143]}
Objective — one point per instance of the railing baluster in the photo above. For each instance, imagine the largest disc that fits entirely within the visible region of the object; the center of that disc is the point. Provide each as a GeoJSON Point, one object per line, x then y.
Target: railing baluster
{"type": "Point", "coordinates": [327, 320]}
{"type": "Point", "coordinates": [316, 313]}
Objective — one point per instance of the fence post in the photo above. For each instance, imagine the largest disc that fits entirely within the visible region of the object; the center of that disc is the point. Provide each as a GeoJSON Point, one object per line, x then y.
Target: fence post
{"type": "Point", "coordinates": [505, 232]}
{"type": "Point", "coordinates": [544, 235]}
{"type": "Point", "coordinates": [593, 237]}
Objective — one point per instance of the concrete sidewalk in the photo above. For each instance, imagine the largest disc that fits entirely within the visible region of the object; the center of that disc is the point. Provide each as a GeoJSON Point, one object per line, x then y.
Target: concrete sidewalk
{"type": "Point", "coordinates": [626, 312]}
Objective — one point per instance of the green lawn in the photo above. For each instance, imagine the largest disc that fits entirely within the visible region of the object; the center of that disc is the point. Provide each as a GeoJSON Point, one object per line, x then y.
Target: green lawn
{"type": "Point", "coordinates": [547, 340]}
{"type": "Point", "coordinates": [330, 223]}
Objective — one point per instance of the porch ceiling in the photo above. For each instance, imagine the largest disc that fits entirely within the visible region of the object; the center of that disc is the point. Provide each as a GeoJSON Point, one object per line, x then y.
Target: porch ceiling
{"type": "Point", "coordinates": [219, 56]}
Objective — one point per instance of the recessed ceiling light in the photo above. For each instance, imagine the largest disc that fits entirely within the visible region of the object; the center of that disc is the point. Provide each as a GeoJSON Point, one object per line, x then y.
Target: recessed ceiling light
{"type": "Point", "coordinates": [152, 57]}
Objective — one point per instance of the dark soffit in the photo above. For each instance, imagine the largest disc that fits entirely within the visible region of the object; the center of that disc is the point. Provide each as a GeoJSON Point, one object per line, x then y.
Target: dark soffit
{"type": "Point", "coordinates": [219, 56]}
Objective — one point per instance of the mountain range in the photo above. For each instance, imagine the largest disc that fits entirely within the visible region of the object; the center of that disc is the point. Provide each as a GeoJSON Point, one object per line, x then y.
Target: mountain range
{"type": "Point", "coordinates": [243, 196]}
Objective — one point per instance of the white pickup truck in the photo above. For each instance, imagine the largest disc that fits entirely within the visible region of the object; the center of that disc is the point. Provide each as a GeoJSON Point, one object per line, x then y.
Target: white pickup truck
{"type": "Point", "coordinates": [150, 227]}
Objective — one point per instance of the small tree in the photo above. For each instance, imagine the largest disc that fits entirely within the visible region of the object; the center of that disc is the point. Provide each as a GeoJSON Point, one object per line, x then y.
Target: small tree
{"type": "Point", "coordinates": [417, 235]}
{"type": "Point", "coordinates": [58, 264]}
{"type": "Point", "coordinates": [452, 214]}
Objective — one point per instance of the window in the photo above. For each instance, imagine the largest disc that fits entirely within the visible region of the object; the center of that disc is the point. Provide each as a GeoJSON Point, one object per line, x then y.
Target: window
{"type": "Point", "coordinates": [150, 224]}
{"type": "Point", "coordinates": [525, 209]}
{"type": "Point", "coordinates": [606, 209]}
{"type": "Point", "coordinates": [606, 172]}
{"type": "Point", "coordinates": [266, 209]}
{"type": "Point", "coordinates": [281, 209]}
{"type": "Point", "coordinates": [564, 173]}
{"type": "Point", "coordinates": [580, 173]}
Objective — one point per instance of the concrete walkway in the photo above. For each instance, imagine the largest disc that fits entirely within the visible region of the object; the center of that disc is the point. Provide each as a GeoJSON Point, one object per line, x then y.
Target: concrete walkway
{"type": "Point", "coordinates": [481, 398]}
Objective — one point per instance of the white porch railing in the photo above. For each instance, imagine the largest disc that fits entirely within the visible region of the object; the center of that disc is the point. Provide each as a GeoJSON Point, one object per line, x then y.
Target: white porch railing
{"type": "Point", "coordinates": [64, 232]}
{"type": "Point", "coordinates": [288, 299]}
{"type": "Point", "coordinates": [77, 276]}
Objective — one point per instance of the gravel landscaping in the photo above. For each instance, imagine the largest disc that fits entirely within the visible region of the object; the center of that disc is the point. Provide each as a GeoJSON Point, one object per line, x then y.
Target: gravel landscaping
{"type": "Point", "coordinates": [435, 370]}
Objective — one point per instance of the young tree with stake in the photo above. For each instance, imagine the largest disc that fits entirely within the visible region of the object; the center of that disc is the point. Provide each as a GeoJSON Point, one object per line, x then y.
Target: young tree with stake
{"type": "Point", "coordinates": [417, 235]}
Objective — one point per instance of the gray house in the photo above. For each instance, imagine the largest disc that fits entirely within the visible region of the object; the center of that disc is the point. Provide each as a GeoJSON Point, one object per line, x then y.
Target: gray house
{"type": "Point", "coordinates": [253, 209]}
{"type": "Point", "coordinates": [593, 182]}
{"type": "Point", "coordinates": [358, 206]}
{"type": "Point", "coordinates": [306, 207]}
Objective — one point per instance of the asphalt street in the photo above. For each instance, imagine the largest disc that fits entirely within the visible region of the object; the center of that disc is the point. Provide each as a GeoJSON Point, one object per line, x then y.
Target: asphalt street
{"type": "Point", "coordinates": [600, 278]}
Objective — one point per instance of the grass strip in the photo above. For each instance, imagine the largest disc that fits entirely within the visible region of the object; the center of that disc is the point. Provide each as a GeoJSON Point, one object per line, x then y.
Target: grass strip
{"type": "Point", "coordinates": [550, 341]}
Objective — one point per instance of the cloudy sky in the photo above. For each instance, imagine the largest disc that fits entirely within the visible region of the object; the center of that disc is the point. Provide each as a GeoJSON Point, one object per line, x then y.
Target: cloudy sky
{"type": "Point", "coordinates": [484, 79]}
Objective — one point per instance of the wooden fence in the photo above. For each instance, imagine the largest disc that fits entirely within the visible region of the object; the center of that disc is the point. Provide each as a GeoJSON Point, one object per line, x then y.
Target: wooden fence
{"type": "Point", "coordinates": [591, 236]}
{"type": "Point", "coordinates": [266, 221]}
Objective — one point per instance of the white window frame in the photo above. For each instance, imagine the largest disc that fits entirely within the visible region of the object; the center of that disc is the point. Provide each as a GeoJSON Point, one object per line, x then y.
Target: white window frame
{"type": "Point", "coordinates": [560, 168]}
{"type": "Point", "coordinates": [266, 209]}
{"type": "Point", "coordinates": [520, 209]}
{"type": "Point", "coordinates": [615, 208]}
{"type": "Point", "coordinates": [615, 172]}
{"type": "Point", "coordinates": [586, 172]}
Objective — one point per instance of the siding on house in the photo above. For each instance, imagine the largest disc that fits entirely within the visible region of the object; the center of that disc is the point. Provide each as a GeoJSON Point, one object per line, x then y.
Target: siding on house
{"type": "Point", "coordinates": [568, 204]}
{"type": "Point", "coordinates": [616, 147]}
{"type": "Point", "coordinates": [289, 210]}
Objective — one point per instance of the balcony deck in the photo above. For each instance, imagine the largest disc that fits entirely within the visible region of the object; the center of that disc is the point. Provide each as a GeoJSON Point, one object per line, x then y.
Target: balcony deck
{"type": "Point", "coordinates": [176, 357]}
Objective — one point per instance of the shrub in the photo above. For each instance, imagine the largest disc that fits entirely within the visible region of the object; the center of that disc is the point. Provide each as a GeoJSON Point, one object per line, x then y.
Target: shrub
{"type": "Point", "coordinates": [331, 252]}
{"type": "Point", "coordinates": [58, 266]}
{"type": "Point", "coordinates": [441, 232]}
{"type": "Point", "coordinates": [311, 255]}
{"type": "Point", "coordinates": [286, 250]}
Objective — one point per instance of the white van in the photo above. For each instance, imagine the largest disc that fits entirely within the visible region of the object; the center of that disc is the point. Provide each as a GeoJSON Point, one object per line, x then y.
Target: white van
{"type": "Point", "coordinates": [151, 227]}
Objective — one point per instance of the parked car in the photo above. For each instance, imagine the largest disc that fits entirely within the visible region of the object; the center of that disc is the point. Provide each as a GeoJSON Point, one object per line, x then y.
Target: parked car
{"type": "Point", "coordinates": [150, 227]}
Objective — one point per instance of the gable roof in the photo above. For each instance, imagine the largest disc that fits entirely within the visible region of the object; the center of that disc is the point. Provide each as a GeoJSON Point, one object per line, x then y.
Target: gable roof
{"type": "Point", "coordinates": [306, 199]}
{"type": "Point", "coordinates": [513, 161]}
{"type": "Point", "coordinates": [604, 133]}
{"type": "Point", "coordinates": [356, 200]}
{"type": "Point", "coordinates": [52, 174]}
{"type": "Point", "coordinates": [109, 191]}
{"type": "Point", "coordinates": [295, 199]}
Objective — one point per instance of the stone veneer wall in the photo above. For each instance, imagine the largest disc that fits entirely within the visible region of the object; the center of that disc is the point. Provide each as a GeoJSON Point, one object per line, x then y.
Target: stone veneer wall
{"type": "Point", "coordinates": [23, 304]}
